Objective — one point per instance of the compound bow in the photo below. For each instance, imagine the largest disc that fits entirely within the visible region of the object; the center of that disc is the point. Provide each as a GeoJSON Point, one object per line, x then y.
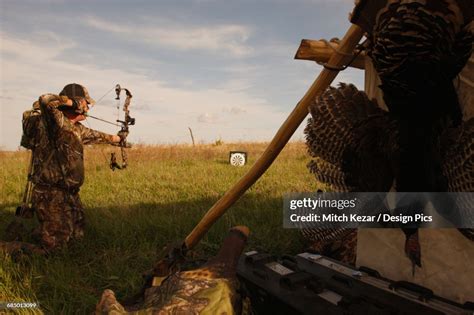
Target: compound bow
{"type": "Point", "coordinates": [124, 130]}
{"type": "Point", "coordinates": [128, 121]}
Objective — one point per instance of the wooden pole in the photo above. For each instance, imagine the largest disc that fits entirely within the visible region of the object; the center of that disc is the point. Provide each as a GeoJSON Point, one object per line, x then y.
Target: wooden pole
{"type": "Point", "coordinates": [321, 51]}
{"type": "Point", "coordinates": [348, 43]}
{"type": "Point", "coordinates": [192, 137]}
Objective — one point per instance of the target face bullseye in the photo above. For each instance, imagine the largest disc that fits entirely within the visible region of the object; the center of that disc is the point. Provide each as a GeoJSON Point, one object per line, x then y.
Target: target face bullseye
{"type": "Point", "coordinates": [237, 158]}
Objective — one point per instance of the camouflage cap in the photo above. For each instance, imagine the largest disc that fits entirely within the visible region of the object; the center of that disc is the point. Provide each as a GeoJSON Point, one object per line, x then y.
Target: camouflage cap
{"type": "Point", "coordinates": [74, 90]}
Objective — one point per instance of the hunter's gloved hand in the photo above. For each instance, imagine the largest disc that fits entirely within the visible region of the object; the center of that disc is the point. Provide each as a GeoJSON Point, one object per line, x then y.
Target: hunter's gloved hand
{"type": "Point", "coordinates": [123, 135]}
{"type": "Point", "coordinates": [77, 107]}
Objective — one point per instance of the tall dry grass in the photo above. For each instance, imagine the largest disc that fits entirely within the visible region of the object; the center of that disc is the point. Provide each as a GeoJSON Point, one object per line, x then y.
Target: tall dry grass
{"type": "Point", "coordinates": [132, 214]}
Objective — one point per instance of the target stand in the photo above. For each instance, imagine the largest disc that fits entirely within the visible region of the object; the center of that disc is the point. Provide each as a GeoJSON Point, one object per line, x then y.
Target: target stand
{"type": "Point", "coordinates": [237, 158]}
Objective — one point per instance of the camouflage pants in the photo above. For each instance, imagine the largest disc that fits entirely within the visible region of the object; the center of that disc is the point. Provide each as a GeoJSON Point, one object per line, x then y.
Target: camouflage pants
{"type": "Point", "coordinates": [60, 214]}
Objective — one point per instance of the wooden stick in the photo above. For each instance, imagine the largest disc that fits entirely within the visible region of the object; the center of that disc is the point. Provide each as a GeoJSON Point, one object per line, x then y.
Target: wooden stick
{"type": "Point", "coordinates": [349, 42]}
{"type": "Point", "coordinates": [192, 137]}
{"type": "Point", "coordinates": [29, 183]}
{"type": "Point", "coordinates": [319, 51]}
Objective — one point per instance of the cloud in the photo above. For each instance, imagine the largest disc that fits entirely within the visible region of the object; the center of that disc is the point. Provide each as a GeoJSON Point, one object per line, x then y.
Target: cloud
{"type": "Point", "coordinates": [219, 39]}
{"type": "Point", "coordinates": [21, 48]}
{"type": "Point", "coordinates": [235, 110]}
{"type": "Point", "coordinates": [208, 118]}
{"type": "Point", "coordinates": [163, 113]}
{"type": "Point", "coordinates": [213, 69]}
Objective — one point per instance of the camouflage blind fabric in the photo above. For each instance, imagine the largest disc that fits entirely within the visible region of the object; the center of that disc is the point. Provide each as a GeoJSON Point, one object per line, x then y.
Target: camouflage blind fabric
{"type": "Point", "coordinates": [208, 290]}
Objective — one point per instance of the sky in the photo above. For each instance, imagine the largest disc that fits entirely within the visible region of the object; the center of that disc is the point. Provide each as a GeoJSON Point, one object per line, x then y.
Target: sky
{"type": "Point", "coordinates": [224, 68]}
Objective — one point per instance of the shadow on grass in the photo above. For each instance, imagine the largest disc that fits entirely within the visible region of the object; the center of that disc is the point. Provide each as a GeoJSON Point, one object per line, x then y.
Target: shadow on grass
{"type": "Point", "coordinates": [122, 242]}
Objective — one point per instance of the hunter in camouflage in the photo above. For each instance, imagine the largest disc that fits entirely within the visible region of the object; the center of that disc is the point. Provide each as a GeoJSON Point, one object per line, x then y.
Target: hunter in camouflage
{"type": "Point", "coordinates": [58, 165]}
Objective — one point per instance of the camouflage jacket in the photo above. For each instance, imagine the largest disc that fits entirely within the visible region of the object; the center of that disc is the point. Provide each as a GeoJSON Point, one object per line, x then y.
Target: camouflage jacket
{"type": "Point", "coordinates": [58, 156]}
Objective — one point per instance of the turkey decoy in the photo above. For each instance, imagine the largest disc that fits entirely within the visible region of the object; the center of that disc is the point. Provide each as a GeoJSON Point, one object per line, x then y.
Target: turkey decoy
{"type": "Point", "coordinates": [355, 148]}
{"type": "Point", "coordinates": [417, 48]}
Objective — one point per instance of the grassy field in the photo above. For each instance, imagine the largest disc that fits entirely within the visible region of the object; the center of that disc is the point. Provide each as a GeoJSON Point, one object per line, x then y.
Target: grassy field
{"type": "Point", "coordinates": [132, 214]}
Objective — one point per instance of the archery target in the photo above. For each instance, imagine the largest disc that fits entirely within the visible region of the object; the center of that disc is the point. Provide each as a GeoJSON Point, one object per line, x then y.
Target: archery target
{"type": "Point", "coordinates": [237, 158]}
